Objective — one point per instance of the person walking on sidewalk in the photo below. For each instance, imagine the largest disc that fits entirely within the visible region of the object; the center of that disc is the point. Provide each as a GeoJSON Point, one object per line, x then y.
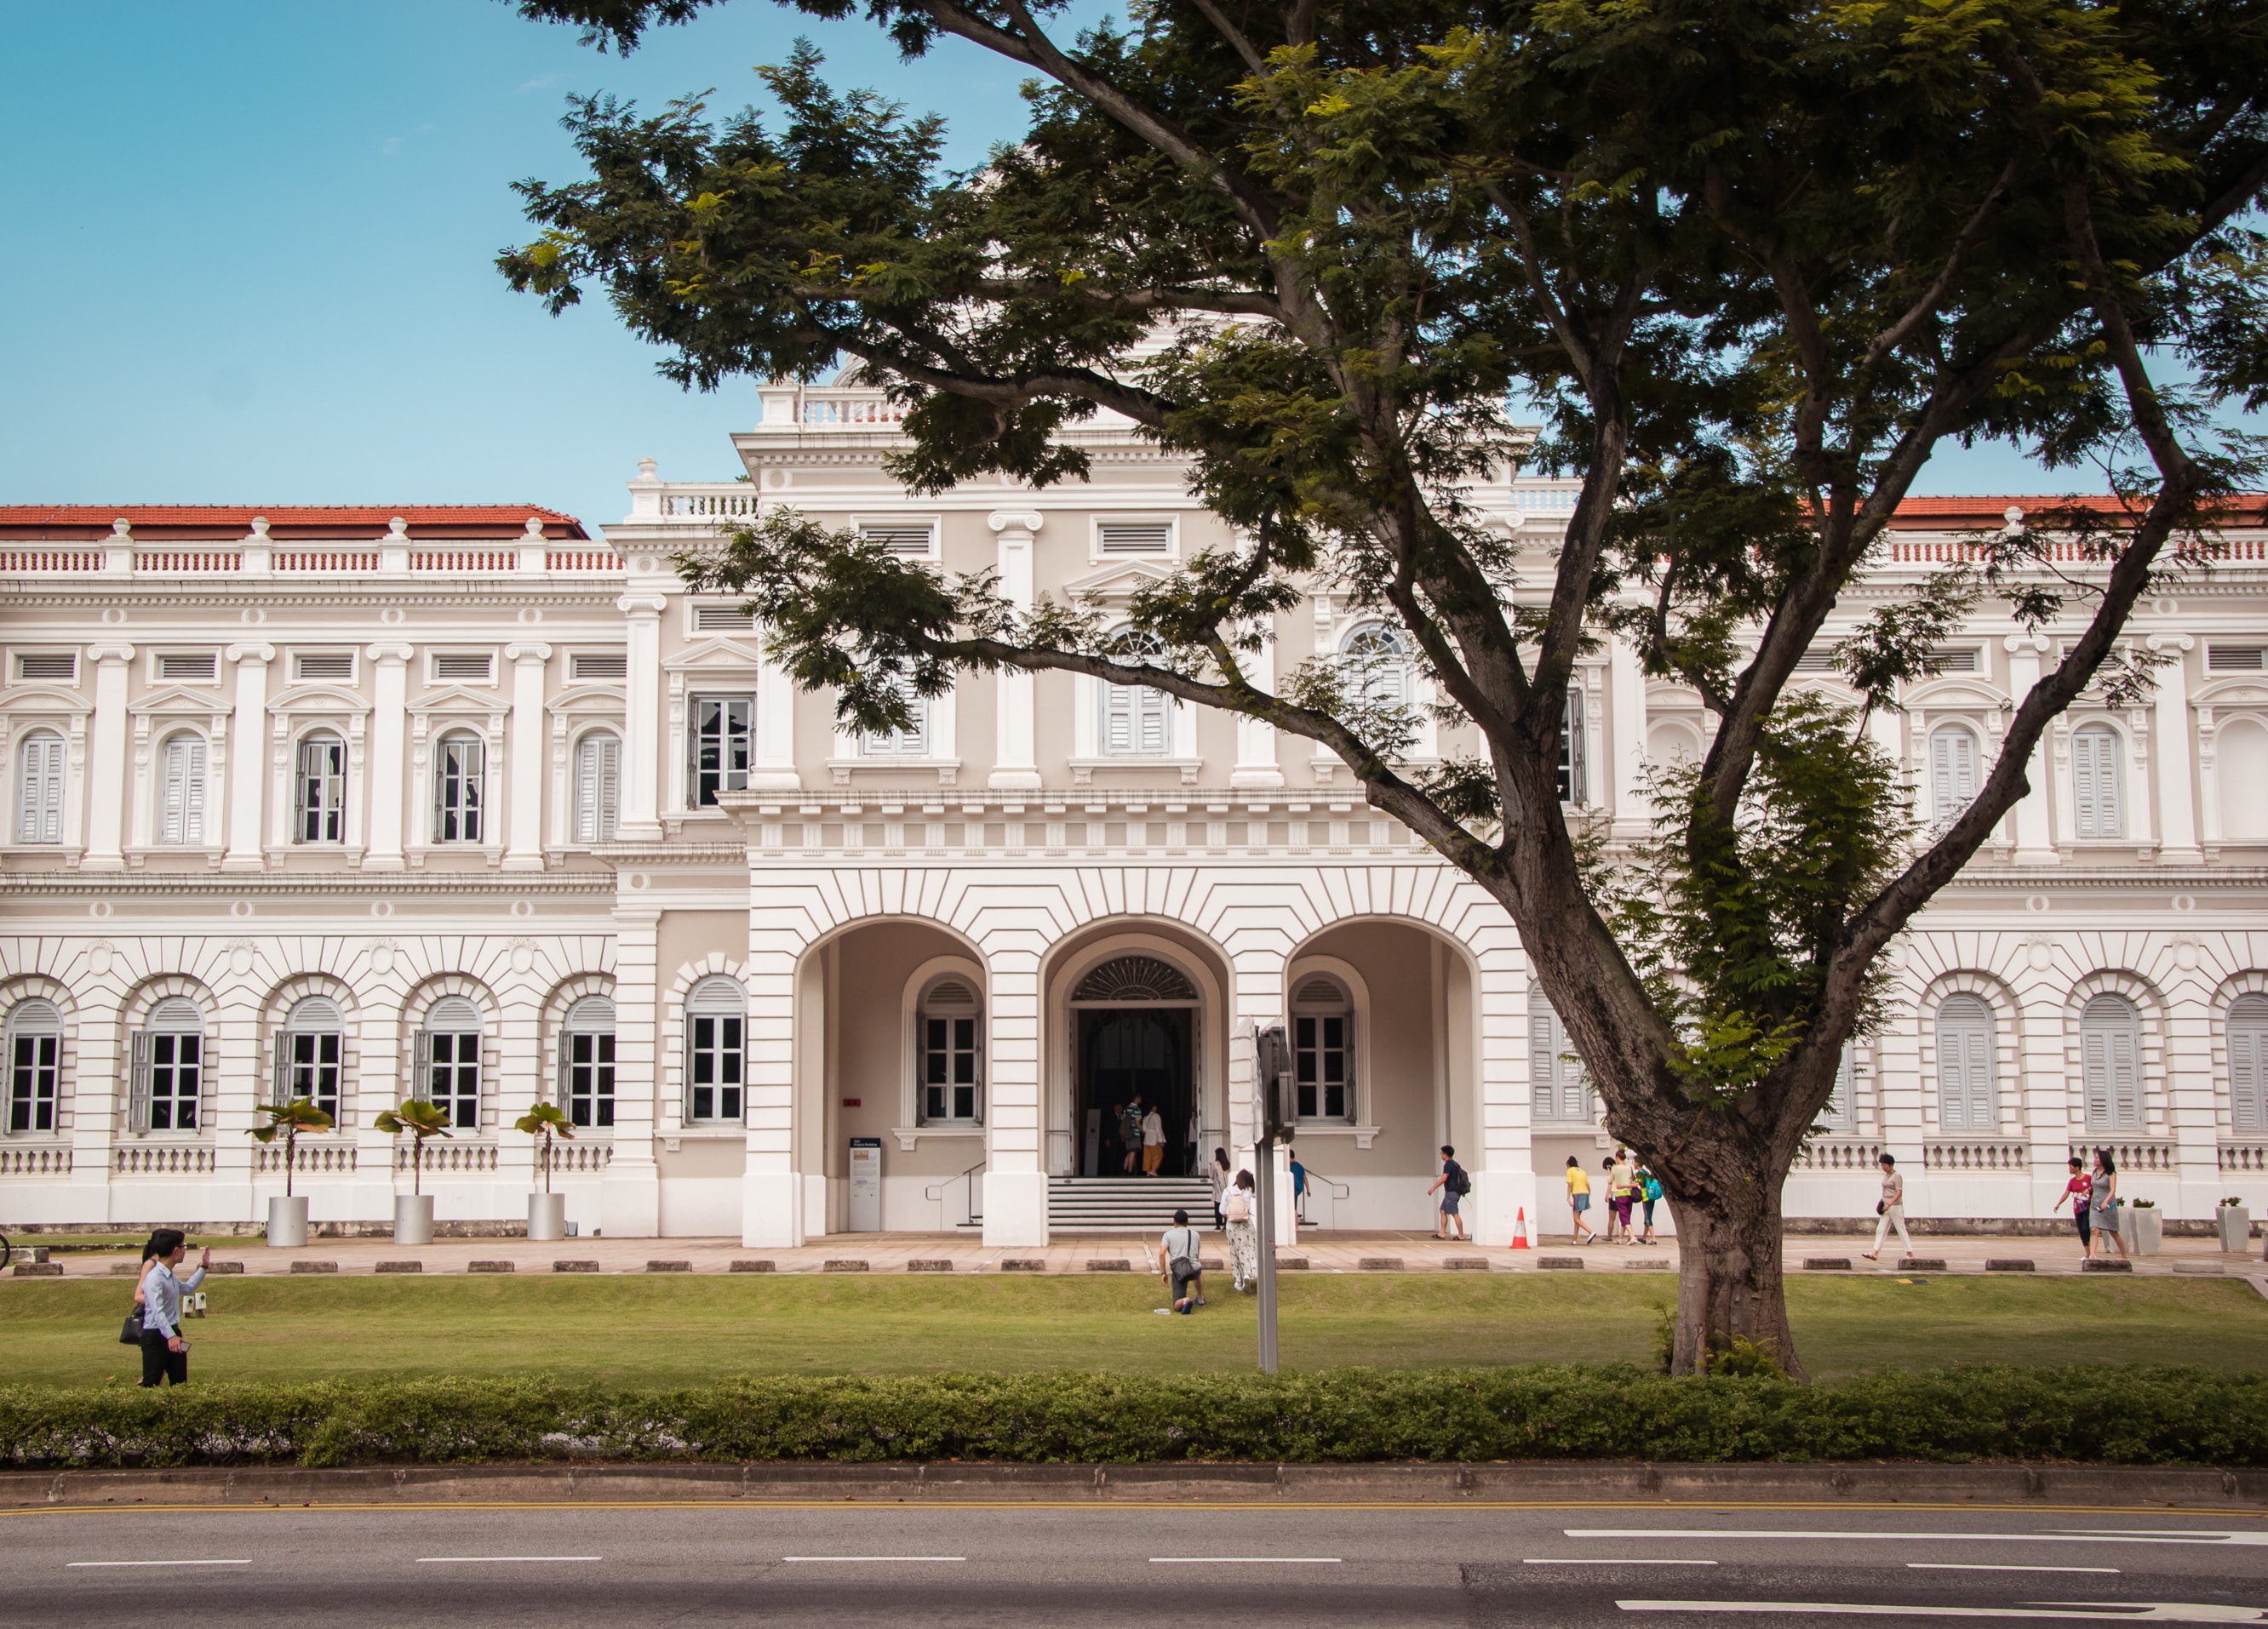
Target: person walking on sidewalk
{"type": "Point", "coordinates": [1238, 1208]}
{"type": "Point", "coordinates": [1892, 1210]}
{"type": "Point", "coordinates": [1579, 1200]}
{"type": "Point", "coordinates": [1216, 1173]}
{"type": "Point", "coordinates": [2075, 1193]}
{"type": "Point", "coordinates": [1154, 1142]}
{"type": "Point", "coordinates": [1299, 1187]}
{"type": "Point", "coordinates": [1607, 1195]}
{"type": "Point", "coordinates": [1621, 1192]}
{"type": "Point", "coordinates": [1649, 1193]}
{"type": "Point", "coordinates": [1182, 1265]}
{"type": "Point", "coordinates": [2104, 1201]}
{"type": "Point", "coordinates": [1452, 1184]}
{"type": "Point", "coordinates": [165, 1351]}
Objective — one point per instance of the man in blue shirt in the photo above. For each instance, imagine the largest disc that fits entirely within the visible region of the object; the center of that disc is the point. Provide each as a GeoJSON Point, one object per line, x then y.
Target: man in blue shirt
{"type": "Point", "coordinates": [165, 1351]}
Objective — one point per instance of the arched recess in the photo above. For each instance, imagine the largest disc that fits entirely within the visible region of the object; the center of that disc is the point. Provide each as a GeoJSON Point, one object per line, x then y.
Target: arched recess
{"type": "Point", "coordinates": [2240, 1055]}
{"type": "Point", "coordinates": [426, 1002]}
{"type": "Point", "coordinates": [39, 1026]}
{"type": "Point", "coordinates": [294, 1056]}
{"type": "Point", "coordinates": [2093, 1062]}
{"type": "Point", "coordinates": [171, 1057]}
{"type": "Point", "coordinates": [578, 995]}
{"type": "Point", "coordinates": [2004, 1014]}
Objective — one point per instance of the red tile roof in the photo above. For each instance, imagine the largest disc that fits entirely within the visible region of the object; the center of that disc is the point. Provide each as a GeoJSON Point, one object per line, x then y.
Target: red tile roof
{"type": "Point", "coordinates": [1969, 514]}
{"type": "Point", "coordinates": [228, 522]}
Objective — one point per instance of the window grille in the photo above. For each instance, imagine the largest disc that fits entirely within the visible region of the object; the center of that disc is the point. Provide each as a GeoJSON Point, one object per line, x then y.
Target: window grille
{"type": "Point", "coordinates": [597, 788]}
{"type": "Point", "coordinates": [2236, 659]}
{"type": "Point", "coordinates": [36, 1044]}
{"type": "Point", "coordinates": [1965, 660]}
{"type": "Point", "coordinates": [181, 790]}
{"type": "Point", "coordinates": [478, 668]}
{"type": "Point", "coordinates": [168, 1068]}
{"type": "Point", "coordinates": [719, 746]}
{"type": "Point", "coordinates": [951, 1053]}
{"type": "Point", "coordinates": [308, 1054]}
{"type": "Point", "coordinates": [2097, 794]}
{"type": "Point", "coordinates": [1966, 1100]}
{"type": "Point", "coordinates": [587, 1064]}
{"type": "Point", "coordinates": [913, 542]}
{"type": "Point", "coordinates": [1139, 537]}
{"type": "Point", "coordinates": [61, 664]}
{"type": "Point", "coordinates": [324, 664]}
{"type": "Point", "coordinates": [2110, 1064]}
{"type": "Point", "coordinates": [451, 1056]}
{"type": "Point", "coordinates": [722, 619]}
{"type": "Point", "coordinates": [193, 667]}
{"type": "Point", "coordinates": [40, 789]}
{"type": "Point", "coordinates": [598, 664]}
{"type": "Point", "coordinates": [715, 1017]}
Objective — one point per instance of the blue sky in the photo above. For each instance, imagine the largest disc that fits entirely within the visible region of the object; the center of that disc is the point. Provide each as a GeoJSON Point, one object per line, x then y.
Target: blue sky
{"type": "Point", "coordinates": [246, 251]}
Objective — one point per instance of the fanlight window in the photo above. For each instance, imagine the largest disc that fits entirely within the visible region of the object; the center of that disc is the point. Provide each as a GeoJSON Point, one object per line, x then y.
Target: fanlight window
{"type": "Point", "coordinates": [1135, 979]}
{"type": "Point", "coordinates": [1375, 660]}
{"type": "Point", "coordinates": [2110, 1064]}
{"type": "Point", "coordinates": [450, 1050]}
{"type": "Point", "coordinates": [1966, 1100]}
{"type": "Point", "coordinates": [1137, 722]}
{"type": "Point", "coordinates": [2247, 1065]}
{"type": "Point", "coordinates": [168, 1066]}
{"type": "Point", "coordinates": [950, 1054]}
{"type": "Point", "coordinates": [308, 1053]}
{"type": "Point", "coordinates": [1323, 1050]}
{"type": "Point", "coordinates": [35, 1045]}
{"type": "Point", "coordinates": [716, 1021]}
{"type": "Point", "coordinates": [1560, 1091]}
{"type": "Point", "coordinates": [587, 1064]}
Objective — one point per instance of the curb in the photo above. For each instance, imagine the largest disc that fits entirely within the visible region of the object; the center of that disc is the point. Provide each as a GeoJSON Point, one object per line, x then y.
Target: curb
{"type": "Point", "coordinates": [1544, 1484]}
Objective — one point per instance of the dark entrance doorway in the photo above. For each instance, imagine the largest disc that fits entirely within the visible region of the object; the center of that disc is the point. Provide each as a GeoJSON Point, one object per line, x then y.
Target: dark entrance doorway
{"type": "Point", "coordinates": [1125, 1053]}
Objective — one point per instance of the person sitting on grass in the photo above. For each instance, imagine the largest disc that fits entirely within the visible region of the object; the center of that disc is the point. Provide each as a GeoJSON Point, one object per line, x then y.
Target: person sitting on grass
{"type": "Point", "coordinates": [1181, 1267]}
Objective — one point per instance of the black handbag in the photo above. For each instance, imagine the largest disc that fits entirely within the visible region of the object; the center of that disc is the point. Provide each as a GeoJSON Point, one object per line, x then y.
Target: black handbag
{"type": "Point", "coordinates": [130, 1334]}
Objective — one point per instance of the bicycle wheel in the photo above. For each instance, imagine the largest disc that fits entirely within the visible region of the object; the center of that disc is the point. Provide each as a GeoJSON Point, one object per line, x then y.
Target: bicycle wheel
{"type": "Point", "coordinates": [6, 1251]}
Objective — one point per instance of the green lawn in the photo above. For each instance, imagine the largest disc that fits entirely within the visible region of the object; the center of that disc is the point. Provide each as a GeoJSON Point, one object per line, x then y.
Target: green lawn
{"type": "Point", "coordinates": [637, 1330]}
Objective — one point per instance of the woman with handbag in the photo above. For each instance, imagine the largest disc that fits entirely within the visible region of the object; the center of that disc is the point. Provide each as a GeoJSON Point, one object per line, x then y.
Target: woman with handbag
{"type": "Point", "coordinates": [1239, 1209]}
{"type": "Point", "coordinates": [2102, 1200]}
{"type": "Point", "coordinates": [165, 1350]}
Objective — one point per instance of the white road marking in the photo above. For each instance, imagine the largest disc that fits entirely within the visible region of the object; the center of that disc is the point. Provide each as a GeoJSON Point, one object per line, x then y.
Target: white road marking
{"type": "Point", "coordinates": [426, 1560]}
{"type": "Point", "coordinates": [2065, 1612]}
{"type": "Point", "coordinates": [1986, 1566]}
{"type": "Point", "coordinates": [237, 1563]}
{"type": "Point", "coordinates": [1569, 1560]}
{"type": "Point", "coordinates": [1244, 1561]}
{"type": "Point", "coordinates": [2076, 1535]}
{"type": "Point", "coordinates": [873, 1558]}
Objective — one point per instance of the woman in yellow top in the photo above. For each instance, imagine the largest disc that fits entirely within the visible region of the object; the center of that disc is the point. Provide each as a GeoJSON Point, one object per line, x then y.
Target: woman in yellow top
{"type": "Point", "coordinates": [1579, 1200]}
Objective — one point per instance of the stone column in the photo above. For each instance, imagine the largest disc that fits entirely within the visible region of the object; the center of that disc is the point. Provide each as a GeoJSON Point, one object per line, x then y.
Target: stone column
{"type": "Point", "coordinates": [630, 1194]}
{"type": "Point", "coordinates": [389, 770]}
{"type": "Point", "coordinates": [1014, 748]}
{"type": "Point", "coordinates": [641, 814]}
{"type": "Point", "coordinates": [1015, 1184]}
{"type": "Point", "coordinates": [772, 1212]}
{"type": "Point", "coordinates": [2177, 826]}
{"type": "Point", "coordinates": [524, 753]}
{"type": "Point", "coordinates": [106, 760]}
{"type": "Point", "coordinates": [247, 735]}
{"type": "Point", "coordinates": [2035, 841]}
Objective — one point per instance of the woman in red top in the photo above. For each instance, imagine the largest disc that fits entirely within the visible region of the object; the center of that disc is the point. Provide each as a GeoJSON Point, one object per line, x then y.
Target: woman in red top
{"type": "Point", "coordinates": [2076, 1192]}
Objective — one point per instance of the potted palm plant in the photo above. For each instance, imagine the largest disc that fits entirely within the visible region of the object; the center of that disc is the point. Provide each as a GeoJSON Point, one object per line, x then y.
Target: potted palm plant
{"type": "Point", "coordinates": [2235, 1223]}
{"type": "Point", "coordinates": [547, 1212]}
{"type": "Point", "coordinates": [413, 1211]}
{"type": "Point", "coordinates": [287, 1215]}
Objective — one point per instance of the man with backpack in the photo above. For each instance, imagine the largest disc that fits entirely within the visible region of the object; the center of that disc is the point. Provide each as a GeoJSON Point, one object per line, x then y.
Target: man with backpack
{"type": "Point", "coordinates": [1452, 1184]}
{"type": "Point", "coordinates": [1180, 1266]}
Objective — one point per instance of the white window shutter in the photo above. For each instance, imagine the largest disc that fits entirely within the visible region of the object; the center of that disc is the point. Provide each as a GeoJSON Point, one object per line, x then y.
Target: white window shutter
{"type": "Point", "coordinates": [282, 1086]}
{"type": "Point", "coordinates": [2095, 1074]}
{"type": "Point", "coordinates": [193, 789]}
{"type": "Point", "coordinates": [1578, 773]}
{"type": "Point", "coordinates": [2094, 782]}
{"type": "Point", "coordinates": [1953, 773]}
{"type": "Point", "coordinates": [2125, 1082]}
{"type": "Point", "coordinates": [137, 1095]}
{"type": "Point", "coordinates": [1118, 703]}
{"type": "Point", "coordinates": [1157, 712]}
{"type": "Point", "coordinates": [2247, 1065]}
{"type": "Point", "coordinates": [1965, 1094]}
{"type": "Point", "coordinates": [610, 786]}
{"type": "Point", "coordinates": [1543, 1065]}
{"type": "Point", "coordinates": [40, 818]}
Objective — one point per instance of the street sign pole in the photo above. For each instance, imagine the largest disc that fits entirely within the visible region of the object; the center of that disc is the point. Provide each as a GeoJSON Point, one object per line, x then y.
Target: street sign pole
{"type": "Point", "coordinates": [1271, 1062]}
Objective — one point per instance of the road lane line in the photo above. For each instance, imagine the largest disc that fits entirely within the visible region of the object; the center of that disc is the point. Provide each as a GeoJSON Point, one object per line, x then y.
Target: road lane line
{"type": "Point", "coordinates": [2061, 1611]}
{"type": "Point", "coordinates": [1986, 1566]}
{"type": "Point", "coordinates": [873, 1558]}
{"type": "Point", "coordinates": [235, 1563]}
{"type": "Point", "coordinates": [1244, 1561]}
{"type": "Point", "coordinates": [1569, 1560]}
{"type": "Point", "coordinates": [429, 1561]}
{"type": "Point", "coordinates": [2076, 1535]}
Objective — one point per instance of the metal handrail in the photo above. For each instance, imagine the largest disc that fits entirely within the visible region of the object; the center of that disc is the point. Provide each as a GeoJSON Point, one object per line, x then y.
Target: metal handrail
{"type": "Point", "coordinates": [936, 1190]}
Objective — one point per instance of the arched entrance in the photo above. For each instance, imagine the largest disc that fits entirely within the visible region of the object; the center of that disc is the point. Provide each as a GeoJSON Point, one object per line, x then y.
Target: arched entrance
{"type": "Point", "coordinates": [1134, 1051]}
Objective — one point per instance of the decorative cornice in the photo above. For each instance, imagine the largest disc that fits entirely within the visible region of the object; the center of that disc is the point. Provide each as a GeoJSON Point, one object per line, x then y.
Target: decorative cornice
{"type": "Point", "coordinates": [110, 884]}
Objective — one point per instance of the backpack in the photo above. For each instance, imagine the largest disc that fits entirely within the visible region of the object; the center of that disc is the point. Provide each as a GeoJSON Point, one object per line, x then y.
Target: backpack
{"type": "Point", "coordinates": [1236, 1205]}
{"type": "Point", "coordinates": [1461, 1181]}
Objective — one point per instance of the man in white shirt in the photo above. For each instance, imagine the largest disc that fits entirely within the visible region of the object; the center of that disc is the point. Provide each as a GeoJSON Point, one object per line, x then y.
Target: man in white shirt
{"type": "Point", "coordinates": [1180, 1266]}
{"type": "Point", "coordinates": [1154, 1142]}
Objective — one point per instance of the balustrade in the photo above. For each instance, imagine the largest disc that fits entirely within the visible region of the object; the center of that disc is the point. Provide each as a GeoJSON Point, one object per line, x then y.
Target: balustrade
{"type": "Point", "coordinates": [1838, 1154]}
{"type": "Point", "coordinates": [36, 1159]}
{"type": "Point", "coordinates": [736, 502]}
{"type": "Point", "coordinates": [580, 1159]}
{"type": "Point", "coordinates": [320, 1158]}
{"type": "Point", "coordinates": [161, 1159]}
{"type": "Point", "coordinates": [339, 561]}
{"type": "Point", "coordinates": [2132, 1156]}
{"type": "Point", "coordinates": [2006, 1154]}
{"type": "Point", "coordinates": [449, 1158]}
{"type": "Point", "coordinates": [172, 562]}
{"type": "Point", "coordinates": [50, 560]}
{"type": "Point", "coordinates": [2244, 1159]}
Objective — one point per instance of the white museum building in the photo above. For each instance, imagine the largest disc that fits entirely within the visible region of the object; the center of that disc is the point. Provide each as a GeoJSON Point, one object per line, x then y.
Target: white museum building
{"type": "Point", "coordinates": [354, 803]}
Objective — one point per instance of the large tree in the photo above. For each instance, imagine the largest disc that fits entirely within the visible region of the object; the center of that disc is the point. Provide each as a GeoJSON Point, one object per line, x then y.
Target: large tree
{"type": "Point", "coordinates": [1750, 265]}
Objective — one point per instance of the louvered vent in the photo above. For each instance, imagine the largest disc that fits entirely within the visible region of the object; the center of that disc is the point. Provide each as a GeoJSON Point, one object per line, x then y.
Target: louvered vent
{"type": "Point", "coordinates": [913, 540]}
{"type": "Point", "coordinates": [1818, 659]}
{"type": "Point", "coordinates": [188, 665]}
{"type": "Point", "coordinates": [950, 995]}
{"type": "Point", "coordinates": [43, 665]}
{"type": "Point", "coordinates": [2236, 659]}
{"type": "Point", "coordinates": [600, 665]}
{"type": "Point", "coordinates": [1963, 661]}
{"type": "Point", "coordinates": [1147, 536]}
{"type": "Point", "coordinates": [1319, 993]}
{"type": "Point", "coordinates": [325, 665]}
{"type": "Point", "coordinates": [462, 664]}
{"type": "Point", "coordinates": [176, 1015]}
{"type": "Point", "coordinates": [722, 619]}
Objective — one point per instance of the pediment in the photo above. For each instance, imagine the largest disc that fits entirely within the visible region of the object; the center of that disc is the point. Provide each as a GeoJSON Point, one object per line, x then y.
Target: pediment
{"type": "Point", "coordinates": [579, 703]}
{"type": "Point", "coordinates": [176, 699]}
{"type": "Point", "coordinates": [2247, 692]}
{"type": "Point", "coordinates": [1119, 577]}
{"type": "Point", "coordinates": [319, 699]}
{"type": "Point", "coordinates": [37, 701]}
{"type": "Point", "coordinates": [457, 699]}
{"type": "Point", "coordinates": [1939, 695]}
{"type": "Point", "coordinates": [716, 653]}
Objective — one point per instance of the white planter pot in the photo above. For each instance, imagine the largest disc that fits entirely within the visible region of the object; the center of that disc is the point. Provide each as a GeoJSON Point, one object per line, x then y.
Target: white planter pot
{"type": "Point", "coordinates": [547, 1215]}
{"type": "Point", "coordinates": [2148, 1235]}
{"type": "Point", "coordinates": [2235, 1228]}
{"type": "Point", "coordinates": [413, 1219]}
{"type": "Point", "coordinates": [287, 1222]}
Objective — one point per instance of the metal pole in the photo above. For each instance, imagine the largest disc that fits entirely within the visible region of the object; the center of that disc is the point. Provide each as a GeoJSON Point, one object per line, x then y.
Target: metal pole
{"type": "Point", "coordinates": [1264, 1177]}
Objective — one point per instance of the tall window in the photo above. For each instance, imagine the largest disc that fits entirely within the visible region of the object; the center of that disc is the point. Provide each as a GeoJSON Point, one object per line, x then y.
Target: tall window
{"type": "Point", "coordinates": [35, 1045]}
{"type": "Point", "coordinates": [2110, 1064]}
{"type": "Point", "coordinates": [1323, 1050]}
{"type": "Point", "coordinates": [168, 1068]}
{"type": "Point", "coordinates": [460, 788]}
{"type": "Point", "coordinates": [1953, 773]}
{"type": "Point", "coordinates": [587, 1064]}
{"type": "Point", "coordinates": [450, 1048]}
{"type": "Point", "coordinates": [1560, 1090]}
{"type": "Point", "coordinates": [2247, 1065]}
{"type": "Point", "coordinates": [913, 741]}
{"type": "Point", "coordinates": [719, 745]}
{"type": "Point", "coordinates": [40, 789]}
{"type": "Point", "coordinates": [1574, 761]}
{"type": "Point", "coordinates": [951, 1078]}
{"type": "Point", "coordinates": [597, 788]}
{"type": "Point", "coordinates": [716, 1016]}
{"type": "Point", "coordinates": [1375, 660]}
{"type": "Point", "coordinates": [2097, 798]}
{"type": "Point", "coordinates": [1966, 1097]}
{"type": "Point", "coordinates": [308, 1053]}
{"type": "Point", "coordinates": [320, 798]}
{"type": "Point", "coordinates": [1137, 722]}
{"type": "Point", "coordinates": [181, 790]}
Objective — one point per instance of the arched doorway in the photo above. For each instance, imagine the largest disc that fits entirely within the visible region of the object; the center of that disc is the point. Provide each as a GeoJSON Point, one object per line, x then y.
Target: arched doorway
{"type": "Point", "coordinates": [1134, 1051]}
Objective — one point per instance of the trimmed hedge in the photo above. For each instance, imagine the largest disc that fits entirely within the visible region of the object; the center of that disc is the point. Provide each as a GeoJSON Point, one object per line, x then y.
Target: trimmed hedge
{"type": "Point", "coordinates": [2120, 1416]}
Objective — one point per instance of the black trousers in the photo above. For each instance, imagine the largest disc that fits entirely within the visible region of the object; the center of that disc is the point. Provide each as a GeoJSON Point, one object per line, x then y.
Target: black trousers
{"type": "Point", "coordinates": [160, 1365]}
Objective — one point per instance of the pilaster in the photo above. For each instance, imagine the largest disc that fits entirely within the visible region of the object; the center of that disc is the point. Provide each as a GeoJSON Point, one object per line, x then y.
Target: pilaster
{"type": "Point", "coordinates": [388, 768]}
{"type": "Point", "coordinates": [247, 737]}
{"type": "Point", "coordinates": [106, 760]}
{"type": "Point", "coordinates": [524, 752]}
{"type": "Point", "coordinates": [1014, 761]}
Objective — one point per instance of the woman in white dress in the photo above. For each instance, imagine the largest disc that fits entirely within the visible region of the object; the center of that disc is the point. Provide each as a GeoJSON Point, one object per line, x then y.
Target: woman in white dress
{"type": "Point", "coordinates": [1240, 1208]}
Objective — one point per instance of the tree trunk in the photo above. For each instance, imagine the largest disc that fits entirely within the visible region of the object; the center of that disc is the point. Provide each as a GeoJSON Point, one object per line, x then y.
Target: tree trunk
{"type": "Point", "coordinates": [1730, 1284]}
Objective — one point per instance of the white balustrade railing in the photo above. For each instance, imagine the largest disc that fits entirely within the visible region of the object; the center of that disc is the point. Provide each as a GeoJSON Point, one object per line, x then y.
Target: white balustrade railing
{"type": "Point", "coordinates": [316, 1157]}
{"type": "Point", "coordinates": [2244, 1158]}
{"type": "Point", "coordinates": [449, 1158]}
{"type": "Point", "coordinates": [1959, 1154]}
{"type": "Point", "coordinates": [834, 834]}
{"type": "Point", "coordinates": [36, 1159]}
{"type": "Point", "coordinates": [161, 1159]}
{"type": "Point", "coordinates": [579, 1158]}
{"type": "Point", "coordinates": [2132, 1156]}
{"type": "Point", "coordinates": [1838, 1154]}
{"type": "Point", "coordinates": [720, 501]}
{"type": "Point", "coordinates": [826, 407]}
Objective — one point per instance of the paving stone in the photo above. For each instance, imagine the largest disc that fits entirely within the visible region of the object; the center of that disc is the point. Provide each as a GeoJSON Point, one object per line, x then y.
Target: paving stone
{"type": "Point", "coordinates": [1291, 1263]}
{"type": "Point", "coordinates": [754, 1266]}
{"type": "Point", "coordinates": [37, 1270]}
{"type": "Point", "coordinates": [503, 1267]}
{"type": "Point", "coordinates": [225, 1267]}
{"type": "Point", "coordinates": [314, 1267]}
{"type": "Point", "coordinates": [1213, 1264]}
{"type": "Point", "coordinates": [2008, 1264]}
{"type": "Point", "coordinates": [842, 1264]}
{"type": "Point", "coordinates": [2106, 1266]}
{"type": "Point", "coordinates": [401, 1267]}
{"type": "Point", "coordinates": [932, 1263]}
{"type": "Point", "coordinates": [1023, 1264]}
{"type": "Point", "coordinates": [1645, 1266]}
{"type": "Point", "coordinates": [574, 1266]}
{"type": "Point", "coordinates": [685, 1267]}
{"type": "Point", "coordinates": [1560, 1263]}
{"type": "Point", "coordinates": [1111, 1264]}
{"type": "Point", "coordinates": [1379, 1263]}
{"type": "Point", "coordinates": [1921, 1264]}
{"type": "Point", "coordinates": [1827, 1264]}
{"type": "Point", "coordinates": [1468, 1264]}
{"type": "Point", "coordinates": [2200, 1269]}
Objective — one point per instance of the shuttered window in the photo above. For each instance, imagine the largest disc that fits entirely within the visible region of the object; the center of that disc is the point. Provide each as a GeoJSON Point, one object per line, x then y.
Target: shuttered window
{"type": "Point", "coordinates": [460, 788]}
{"type": "Point", "coordinates": [40, 789]}
{"type": "Point", "coordinates": [1376, 667]}
{"type": "Point", "coordinates": [717, 748]}
{"type": "Point", "coordinates": [913, 741]}
{"type": "Point", "coordinates": [1966, 1100]}
{"type": "Point", "coordinates": [597, 788]}
{"type": "Point", "coordinates": [1136, 721]}
{"type": "Point", "coordinates": [181, 790]}
{"type": "Point", "coordinates": [168, 1068]}
{"type": "Point", "coordinates": [950, 1055]}
{"type": "Point", "coordinates": [192, 667]}
{"type": "Point", "coordinates": [716, 1019]}
{"type": "Point", "coordinates": [2097, 794]}
{"type": "Point", "coordinates": [2110, 1064]}
{"type": "Point", "coordinates": [587, 1064]}
{"type": "Point", "coordinates": [2247, 1066]}
{"type": "Point", "coordinates": [1136, 537]}
{"type": "Point", "coordinates": [912, 541]}
{"type": "Point", "coordinates": [1953, 762]}
{"type": "Point", "coordinates": [1322, 1051]}
{"type": "Point", "coordinates": [321, 795]}
{"type": "Point", "coordinates": [307, 1054]}
{"type": "Point", "coordinates": [452, 1054]}
{"type": "Point", "coordinates": [1561, 1091]}
{"type": "Point", "coordinates": [1574, 764]}
{"type": "Point", "coordinates": [36, 1044]}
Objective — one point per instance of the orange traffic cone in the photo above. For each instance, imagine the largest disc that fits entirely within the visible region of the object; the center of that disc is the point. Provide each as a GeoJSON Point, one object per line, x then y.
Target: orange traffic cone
{"type": "Point", "coordinates": [1519, 1230]}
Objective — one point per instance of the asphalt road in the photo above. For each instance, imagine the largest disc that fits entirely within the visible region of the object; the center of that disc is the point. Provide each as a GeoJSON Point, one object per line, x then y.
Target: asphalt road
{"type": "Point", "coordinates": [1648, 1568]}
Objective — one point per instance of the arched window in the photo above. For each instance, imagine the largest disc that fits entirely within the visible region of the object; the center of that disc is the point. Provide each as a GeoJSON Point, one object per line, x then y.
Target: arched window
{"type": "Point", "coordinates": [1137, 722]}
{"type": "Point", "coordinates": [1323, 1049]}
{"type": "Point", "coordinates": [2247, 1065]}
{"type": "Point", "coordinates": [40, 788]}
{"type": "Point", "coordinates": [716, 1019]}
{"type": "Point", "coordinates": [319, 814]}
{"type": "Point", "coordinates": [449, 1047]}
{"type": "Point", "coordinates": [1375, 662]}
{"type": "Point", "coordinates": [2110, 1064]}
{"type": "Point", "coordinates": [598, 786]}
{"type": "Point", "coordinates": [587, 1064]}
{"type": "Point", "coordinates": [1574, 761]}
{"type": "Point", "coordinates": [950, 1055]}
{"type": "Point", "coordinates": [913, 741]}
{"type": "Point", "coordinates": [1560, 1090]}
{"type": "Point", "coordinates": [1952, 772]}
{"type": "Point", "coordinates": [181, 790]}
{"type": "Point", "coordinates": [169, 1067]}
{"type": "Point", "coordinates": [36, 1045]}
{"type": "Point", "coordinates": [460, 788]}
{"type": "Point", "coordinates": [307, 1052]}
{"type": "Point", "coordinates": [2098, 797]}
{"type": "Point", "coordinates": [1966, 1098]}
